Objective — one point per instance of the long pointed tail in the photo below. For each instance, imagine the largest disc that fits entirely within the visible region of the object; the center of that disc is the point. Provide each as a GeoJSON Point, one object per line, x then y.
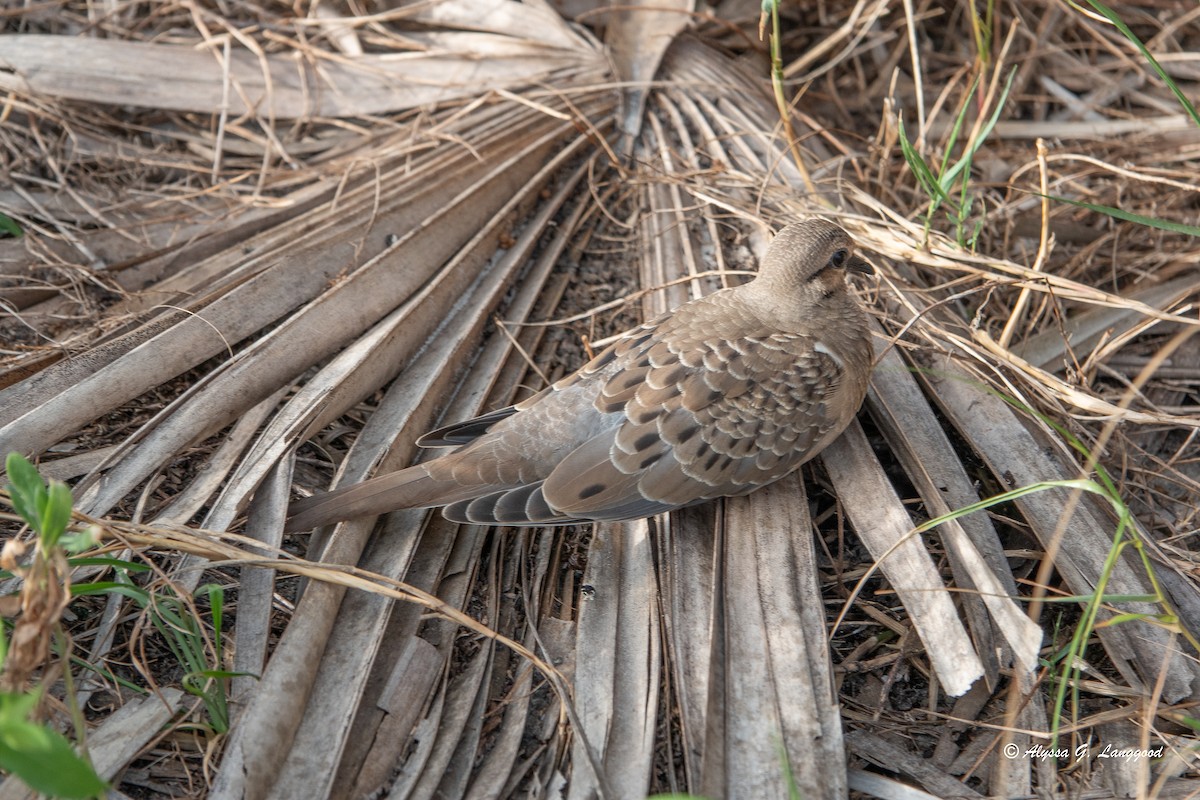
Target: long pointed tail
{"type": "Point", "coordinates": [408, 488]}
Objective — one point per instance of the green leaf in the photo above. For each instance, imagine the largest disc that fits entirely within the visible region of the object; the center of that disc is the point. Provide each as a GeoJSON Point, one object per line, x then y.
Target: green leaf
{"type": "Point", "coordinates": [81, 541]}
{"type": "Point", "coordinates": [16, 707]}
{"type": "Point", "coordinates": [216, 603]}
{"type": "Point", "coordinates": [25, 487]}
{"type": "Point", "coordinates": [1014, 494]}
{"type": "Point", "coordinates": [7, 225]}
{"type": "Point", "coordinates": [984, 133]}
{"type": "Point", "coordinates": [205, 685]}
{"type": "Point", "coordinates": [135, 593]}
{"type": "Point", "coordinates": [918, 166]}
{"type": "Point", "coordinates": [226, 673]}
{"type": "Point", "coordinates": [106, 561]}
{"type": "Point", "coordinates": [171, 616]}
{"type": "Point", "coordinates": [45, 760]}
{"type": "Point", "coordinates": [958, 123]}
{"type": "Point", "coordinates": [47, 511]}
{"type": "Point", "coordinates": [56, 513]}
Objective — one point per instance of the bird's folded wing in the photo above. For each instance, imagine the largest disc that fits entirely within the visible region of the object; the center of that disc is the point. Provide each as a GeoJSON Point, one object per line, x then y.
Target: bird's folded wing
{"type": "Point", "coordinates": [744, 415]}
{"type": "Point", "coordinates": [467, 431]}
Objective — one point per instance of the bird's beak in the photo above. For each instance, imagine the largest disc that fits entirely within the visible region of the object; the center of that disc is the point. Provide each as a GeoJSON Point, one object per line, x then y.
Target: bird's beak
{"type": "Point", "coordinates": [856, 264]}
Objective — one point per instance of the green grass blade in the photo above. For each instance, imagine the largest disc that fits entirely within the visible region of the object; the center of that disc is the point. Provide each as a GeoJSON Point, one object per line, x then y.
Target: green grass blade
{"type": "Point", "coordinates": [965, 162]}
{"type": "Point", "coordinates": [958, 123]}
{"type": "Point", "coordinates": [1108, 598]}
{"type": "Point", "coordinates": [216, 603]}
{"type": "Point", "coordinates": [109, 675]}
{"type": "Point", "coordinates": [919, 168]}
{"type": "Point", "coordinates": [56, 513]}
{"type": "Point", "coordinates": [1131, 36]}
{"type": "Point", "coordinates": [1014, 494]}
{"type": "Point", "coordinates": [105, 561]}
{"type": "Point", "coordinates": [1128, 216]}
{"type": "Point", "coordinates": [134, 593]}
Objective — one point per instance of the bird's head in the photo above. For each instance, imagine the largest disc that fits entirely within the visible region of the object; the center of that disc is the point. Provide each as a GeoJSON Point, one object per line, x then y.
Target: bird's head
{"type": "Point", "coordinates": [808, 261]}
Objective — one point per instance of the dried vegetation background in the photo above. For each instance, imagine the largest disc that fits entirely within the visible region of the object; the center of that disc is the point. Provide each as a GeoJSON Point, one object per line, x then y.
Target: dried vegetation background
{"type": "Point", "coordinates": [266, 246]}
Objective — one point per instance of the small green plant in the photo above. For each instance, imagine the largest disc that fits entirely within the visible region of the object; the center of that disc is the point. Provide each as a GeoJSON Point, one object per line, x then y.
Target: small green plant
{"type": "Point", "coordinates": [47, 510]}
{"type": "Point", "coordinates": [939, 184]}
{"type": "Point", "coordinates": [1124, 536]}
{"type": "Point", "coordinates": [40, 756]}
{"type": "Point", "coordinates": [1070, 657]}
{"type": "Point", "coordinates": [1068, 660]}
{"type": "Point", "coordinates": [184, 633]}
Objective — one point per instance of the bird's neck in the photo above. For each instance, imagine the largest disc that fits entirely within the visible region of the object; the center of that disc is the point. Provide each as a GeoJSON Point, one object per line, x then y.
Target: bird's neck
{"type": "Point", "coordinates": [808, 309]}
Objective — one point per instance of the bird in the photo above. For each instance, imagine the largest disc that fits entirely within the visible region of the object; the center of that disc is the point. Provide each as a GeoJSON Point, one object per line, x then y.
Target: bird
{"type": "Point", "coordinates": [725, 394]}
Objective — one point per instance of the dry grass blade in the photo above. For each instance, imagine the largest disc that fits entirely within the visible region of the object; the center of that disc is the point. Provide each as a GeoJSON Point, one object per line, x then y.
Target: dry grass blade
{"type": "Point", "coordinates": [1080, 334]}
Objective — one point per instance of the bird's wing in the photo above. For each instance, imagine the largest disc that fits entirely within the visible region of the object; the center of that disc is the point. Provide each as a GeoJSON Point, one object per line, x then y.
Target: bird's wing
{"type": "Point", "coordinates": [467, 431]}
{"type": "Point", "coordinates": [525, 442]}
{"type": "Point", "coordinates": [704, 416]}
{"type": "Point", "coordinates": [616, 354]}
{"type": "Point", "coordinates": [674, 413]}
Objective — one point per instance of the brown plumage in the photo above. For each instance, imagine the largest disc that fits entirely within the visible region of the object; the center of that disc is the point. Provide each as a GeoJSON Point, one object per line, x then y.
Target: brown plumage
{"type": "Point", "coordinates": [723, 395]}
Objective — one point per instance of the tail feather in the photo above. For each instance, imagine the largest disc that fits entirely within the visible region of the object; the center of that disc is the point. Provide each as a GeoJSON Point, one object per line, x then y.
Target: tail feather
{"type": "Point", "coordinates": [407, 488]}
{"type": "Point", "coordinates": [522, 505]}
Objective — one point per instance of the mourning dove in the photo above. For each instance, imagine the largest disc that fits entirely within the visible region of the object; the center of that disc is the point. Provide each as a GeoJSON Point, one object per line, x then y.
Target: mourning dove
{"type": "Point", "coordinates": [724, 394]}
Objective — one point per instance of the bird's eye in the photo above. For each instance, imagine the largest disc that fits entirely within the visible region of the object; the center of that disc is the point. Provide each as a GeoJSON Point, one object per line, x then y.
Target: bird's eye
{"type": "Point", "coordinates": [838, 258]}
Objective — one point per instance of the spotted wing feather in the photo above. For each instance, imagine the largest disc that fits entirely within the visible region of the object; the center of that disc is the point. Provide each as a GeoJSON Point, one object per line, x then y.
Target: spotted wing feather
{"type": "Point", "coordinates": [702, 416]}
